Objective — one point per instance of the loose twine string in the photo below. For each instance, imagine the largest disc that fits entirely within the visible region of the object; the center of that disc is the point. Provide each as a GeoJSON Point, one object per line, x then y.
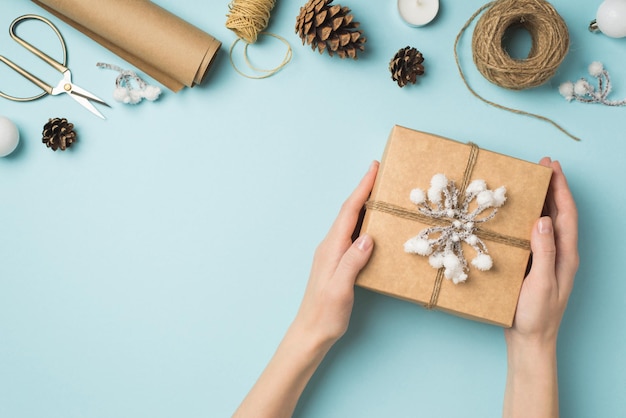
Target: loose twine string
{"type": "Point", "coordinates": [412, 215]}
{"type": "Point", "coordinates": [550, 44]}
{"type": "Point", "coordinates": [248, 19]}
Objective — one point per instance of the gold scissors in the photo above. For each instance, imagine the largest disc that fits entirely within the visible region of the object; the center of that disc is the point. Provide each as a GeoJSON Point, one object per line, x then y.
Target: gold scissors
{"type": "Point", "coordinates": [64, 86]}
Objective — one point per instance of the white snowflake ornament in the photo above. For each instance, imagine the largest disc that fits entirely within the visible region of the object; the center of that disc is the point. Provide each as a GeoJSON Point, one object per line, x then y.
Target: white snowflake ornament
{"type": "Point", "coordinates": [443, 244]}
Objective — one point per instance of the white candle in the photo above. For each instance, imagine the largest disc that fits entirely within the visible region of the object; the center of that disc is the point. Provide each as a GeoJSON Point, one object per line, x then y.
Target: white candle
{"type": "Point", "coordinates": [418, 12]}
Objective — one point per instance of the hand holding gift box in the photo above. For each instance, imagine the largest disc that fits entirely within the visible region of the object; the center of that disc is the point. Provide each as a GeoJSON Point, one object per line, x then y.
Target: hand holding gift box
{"type": "Point", "coordinates": [445, 248]}
{"type": "Point", "coordinates": [325, 309]}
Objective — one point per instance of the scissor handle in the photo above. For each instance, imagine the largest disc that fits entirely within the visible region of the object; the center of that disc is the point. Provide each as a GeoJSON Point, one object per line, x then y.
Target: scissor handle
{"type": "Point", "coordinates": [57, 65]}
{"type": "Point", "coordinates": [33, 79]}
{"type": "Point", "coordinates": [60, 67]}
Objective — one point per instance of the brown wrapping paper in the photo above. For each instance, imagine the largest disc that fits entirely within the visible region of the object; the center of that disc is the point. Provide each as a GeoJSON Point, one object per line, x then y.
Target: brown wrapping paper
{"type": "Point", "coordinates": [410, 160]}
{"type": "Point", "coordinates": [164, 46]}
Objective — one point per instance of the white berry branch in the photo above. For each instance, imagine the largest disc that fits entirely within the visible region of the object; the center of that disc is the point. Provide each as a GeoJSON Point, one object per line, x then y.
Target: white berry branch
{"type": "Point", "coordinates": [584, 92]}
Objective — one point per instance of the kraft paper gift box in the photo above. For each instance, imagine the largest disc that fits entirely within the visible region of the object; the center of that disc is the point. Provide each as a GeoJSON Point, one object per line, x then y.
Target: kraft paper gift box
{"type": "Point", "coordinates": [410, 161]}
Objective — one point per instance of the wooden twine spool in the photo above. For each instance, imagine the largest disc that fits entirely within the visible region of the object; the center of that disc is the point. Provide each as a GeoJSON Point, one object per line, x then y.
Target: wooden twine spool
{"type": "Point", "coordinates": [247, 19]}
{"type": "Point", "coordinates": [550, 43]}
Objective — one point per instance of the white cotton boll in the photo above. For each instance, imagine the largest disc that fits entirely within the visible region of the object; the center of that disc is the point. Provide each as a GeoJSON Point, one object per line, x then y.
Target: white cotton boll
{"type": "Point", "coordinates": [499, 196]}
{"type": "Point", "coordinates": [135, 96]}
{"type": "Point", "coordinates": [485, 198]}
{"type": "Point", "coordinates": [482, 262]}
{"type": "Point", "coordinates": [567, 90]}
{"type": "Point", "coordinates": [417, 196]}
{"type": "Point", "coordinates": [472, 240]}
{"type": "Point", "coordinates": [121, 95]}
{"type": "Point", "coordinates": [582, 87]}
{"type": "Point", "coordinates": [476, 186]}
{"type": "Point", "coordinates": [436, 260]}
{"type": "Point", "coordinates": [439, 181]}
{"type": "Point", "coordinates": [434, 195]}
{"type": "Point", "coordinates": [418, 245]}
{"type": "Point", "coordinates": [151, 93]}
{"type": "Point", "coordinates": [454, 275]}
{"type": "Point", "coordinates": [451, 262]}
{"type": "Point", "coordinates": [460, 278]}
{"type": "Point", "coordinates": [596, 68]}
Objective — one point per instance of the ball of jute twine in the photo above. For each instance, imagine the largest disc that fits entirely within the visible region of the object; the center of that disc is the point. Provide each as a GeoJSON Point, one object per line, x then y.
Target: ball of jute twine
{"type": "Point", "coordinates": [247, 19]}
{"type": "Point", "coordinates": [550, 44]}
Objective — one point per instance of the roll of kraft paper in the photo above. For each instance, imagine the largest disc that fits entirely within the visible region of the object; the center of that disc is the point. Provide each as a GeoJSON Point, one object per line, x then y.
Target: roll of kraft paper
{"type": "Point", "coordinates": [164, 46]}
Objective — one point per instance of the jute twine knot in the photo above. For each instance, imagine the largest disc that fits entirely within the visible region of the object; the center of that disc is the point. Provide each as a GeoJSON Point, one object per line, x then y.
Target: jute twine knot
{"type": "Point", "coordinates": [550, 43]}
{"type": "Point", "coordinates": [248, 18]}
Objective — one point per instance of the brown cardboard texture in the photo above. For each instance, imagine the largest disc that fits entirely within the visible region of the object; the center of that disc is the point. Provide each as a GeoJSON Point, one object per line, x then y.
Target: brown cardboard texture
{"type": "Point", "coordinates": [410, 160]}
{"type": "Point", "coordinates": [166, 47]}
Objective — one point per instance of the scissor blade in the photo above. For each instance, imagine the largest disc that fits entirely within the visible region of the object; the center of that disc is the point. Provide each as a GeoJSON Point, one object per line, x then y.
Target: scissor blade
{"type": "Point", "coordinates": [86, 104]}
{"type": "Point", "coordinates": [84, 93]}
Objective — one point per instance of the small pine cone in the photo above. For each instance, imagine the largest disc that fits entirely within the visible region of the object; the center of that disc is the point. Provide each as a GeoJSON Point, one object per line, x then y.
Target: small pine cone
{"type": "Point", "coordinates": [330, 28]}
{"type": "Point", "coordinates": [58, 133]}
{"type": "Point", "coordinates": [406, 65]}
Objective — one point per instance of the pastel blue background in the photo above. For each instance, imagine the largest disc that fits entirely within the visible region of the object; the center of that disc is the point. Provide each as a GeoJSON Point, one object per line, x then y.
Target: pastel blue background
{"type": "Point", "coordinates": [152, 269]}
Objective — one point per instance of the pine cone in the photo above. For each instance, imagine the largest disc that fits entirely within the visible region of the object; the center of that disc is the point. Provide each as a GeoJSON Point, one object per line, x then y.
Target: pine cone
{"type": "Point", "coordinates": [329, 28]}
{"type": "Point", "coordinates": [406, 65]}
{"type": "Point", "coordinates": [58, 133]}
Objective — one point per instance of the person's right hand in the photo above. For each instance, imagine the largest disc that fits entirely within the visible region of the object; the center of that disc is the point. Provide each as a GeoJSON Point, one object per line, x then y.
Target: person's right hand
{"type": "Point", "coordinates": [554, 245]}
{"type": "Point", "coordinates": [532, 379]}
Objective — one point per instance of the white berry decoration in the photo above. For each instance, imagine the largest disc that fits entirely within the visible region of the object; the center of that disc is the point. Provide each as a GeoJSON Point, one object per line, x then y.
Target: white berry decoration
{"type": "Point", "coordinates": [443, 243]}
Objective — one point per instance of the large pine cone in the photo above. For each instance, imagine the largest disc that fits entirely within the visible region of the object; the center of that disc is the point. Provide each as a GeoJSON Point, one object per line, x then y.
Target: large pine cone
{"type": "Point", "coordinates": [58, 133]}
{"type": "Point", "coordinates": [329, 28]}
{"type": "Point", "coordinates": [406, 65]}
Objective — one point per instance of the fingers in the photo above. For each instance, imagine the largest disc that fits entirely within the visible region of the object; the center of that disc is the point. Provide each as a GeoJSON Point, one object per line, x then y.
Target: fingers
{"type": "Point", "coordinates": [565, 207]}
{"type": "Point", "coordinates": [354, 260]}
{"type": "Point", "coordinates": [549, 204]}
{"type": "Point", "coordinates": [343, 227]}
{"type": "Point", "coordinates": [566, 227]}
{"type": "Point", "coordinates": [544, 250]}
{"type": "Point", "coordinates": [562, 209]}
{"type": "Point", "coordinates": [545, 161]}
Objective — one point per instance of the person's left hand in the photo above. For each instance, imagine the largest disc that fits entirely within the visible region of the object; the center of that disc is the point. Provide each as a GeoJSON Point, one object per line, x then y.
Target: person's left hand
{"type": "Point", "coordinates": [329, 296]}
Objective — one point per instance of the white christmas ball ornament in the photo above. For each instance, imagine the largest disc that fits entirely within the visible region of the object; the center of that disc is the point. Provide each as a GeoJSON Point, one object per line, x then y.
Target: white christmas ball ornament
{"type": "Point", "coordinates": [9, 136]}
{"type": "Point", "coordinates": [611, 18]}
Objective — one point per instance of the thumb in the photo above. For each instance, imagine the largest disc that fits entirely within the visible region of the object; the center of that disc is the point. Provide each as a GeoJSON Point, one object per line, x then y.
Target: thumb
{"type": "Point", "coordinates": [354, 259]}
{"type": "Point", "coordinates": [543, 248]}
